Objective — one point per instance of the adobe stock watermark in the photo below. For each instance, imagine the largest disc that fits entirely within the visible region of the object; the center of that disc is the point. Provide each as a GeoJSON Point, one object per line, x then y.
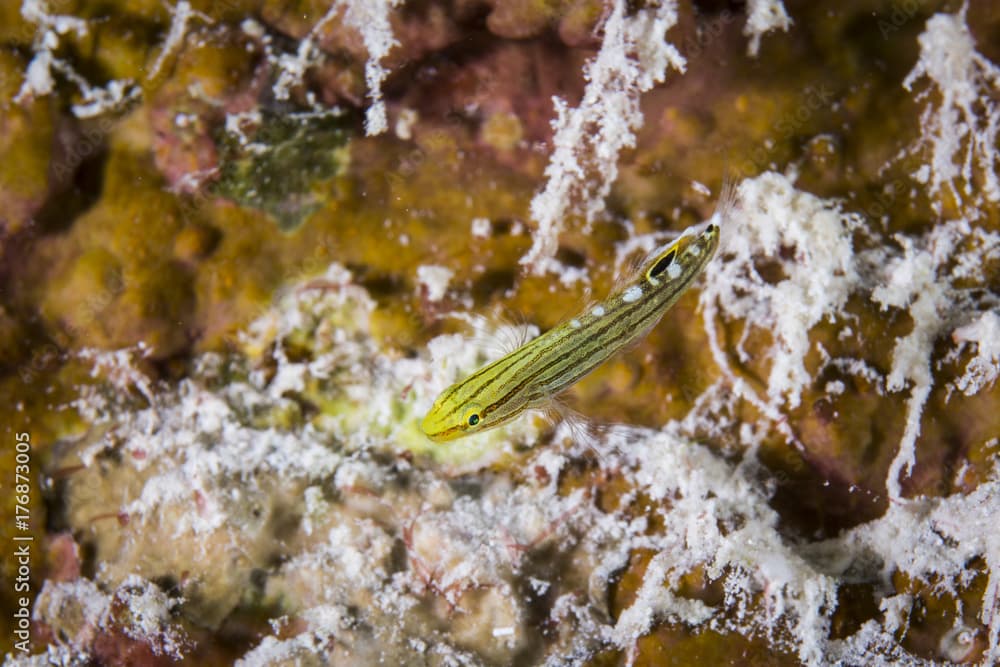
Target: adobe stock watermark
{"type": "Point", "coordinates": [693, 47]}
{"type": "Point", "coordinates": [22, 539]}
{"type": "Point", "coordinates": [788, 125]}
{"type": "Point", "coordinates": [900, 13]}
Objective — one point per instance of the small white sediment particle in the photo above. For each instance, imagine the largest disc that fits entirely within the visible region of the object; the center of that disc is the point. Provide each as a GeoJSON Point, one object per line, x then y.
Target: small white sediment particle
{"type": "Point", "coordinates": [540, 586]}
{"type": "Point", "coordinates": [701, 188]}
{"type": "Point", "coordinates": [481, 228]}
{"type": "Point", "coordinates": [252, 28]}
{"type": "Point", "coordinates": [434, 279]}
{"type": "Point", "coordinates": [405, 122]}
{"type": "Point", "coordinates": [632, 294]}
{"type": "Point", "coordinates": [835, 387]}
{"type": "Point", "coordinates": [503, 632]}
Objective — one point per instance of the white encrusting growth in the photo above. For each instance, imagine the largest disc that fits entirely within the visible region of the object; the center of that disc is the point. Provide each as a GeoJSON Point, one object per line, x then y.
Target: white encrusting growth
{"type": "Point", "coordinates": [79, 611]}
{"type": "Point", "coordinates": [820, 269]}
{"type": "Point", "coordinates": [931, 540]}
{"type": "Point", "coordinates": [203, 468]}
{"type": "Point", "coordinates": [38, 79]}
{"type": "Point", "coordinates": [961, 131]}
{"type": "Point", "coordinates": [182, 16]}
{"type": "Point", "coordinates": [983, 369]}
{"type": "Point", "coordinates": [925, 280]}
{"type": "Point", "coordinates": [292, 68]}
{"type": "Point", "coordinates": [817, 274]}
{"type": "Point", "coordinates": [386, 547]}
{"type": "Point", "coordinates": [371, 19]}
{"type": "Point", "coordinates": [763, 16]}
{"type": "Point", "coordinates": [634, 56]}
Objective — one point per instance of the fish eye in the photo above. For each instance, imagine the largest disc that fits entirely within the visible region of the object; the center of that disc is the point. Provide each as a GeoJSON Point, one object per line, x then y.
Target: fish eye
{"type": "Point", "coordinates": [473, 415]}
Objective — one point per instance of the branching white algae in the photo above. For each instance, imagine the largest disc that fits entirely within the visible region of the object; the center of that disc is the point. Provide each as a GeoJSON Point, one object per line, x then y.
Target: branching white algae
{"type": "Point", "coordinates": [195, 469]}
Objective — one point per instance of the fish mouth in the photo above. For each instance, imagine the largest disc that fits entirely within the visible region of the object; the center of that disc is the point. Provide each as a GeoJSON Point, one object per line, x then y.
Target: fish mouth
{"type": "Point", "coordinates": [435, 433]}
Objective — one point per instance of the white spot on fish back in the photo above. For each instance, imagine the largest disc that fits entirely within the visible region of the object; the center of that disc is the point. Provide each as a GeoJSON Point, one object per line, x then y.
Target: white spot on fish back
{"type": "Point", "coordinates": [632, 294]}
{"type": "Point", "coordinates": [674, 270]}
{"type": "Point", "coordinates": [695, 250]}
{"type": "Point", "coordinates": [575, 323]}
{"type": "Point", "coordinates": [598, 311]}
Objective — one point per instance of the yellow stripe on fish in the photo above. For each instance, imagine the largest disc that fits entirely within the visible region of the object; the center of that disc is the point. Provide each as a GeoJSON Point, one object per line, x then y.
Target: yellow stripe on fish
{"type": "Point", "coordinates": [532, 374]}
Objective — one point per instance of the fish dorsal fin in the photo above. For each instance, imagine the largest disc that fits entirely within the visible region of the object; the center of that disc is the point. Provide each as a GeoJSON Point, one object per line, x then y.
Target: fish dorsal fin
{"type": "Point", "coordinates": [498, 334]}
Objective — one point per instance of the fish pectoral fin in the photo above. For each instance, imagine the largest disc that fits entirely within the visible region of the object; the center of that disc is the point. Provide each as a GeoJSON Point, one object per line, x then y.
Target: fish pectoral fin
{"type": "Point", "coordinates": [583, 430]}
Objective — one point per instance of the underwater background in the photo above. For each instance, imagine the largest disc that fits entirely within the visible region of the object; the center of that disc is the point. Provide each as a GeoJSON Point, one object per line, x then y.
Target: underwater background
{"type": "Point", "coordinates": [245, 244]}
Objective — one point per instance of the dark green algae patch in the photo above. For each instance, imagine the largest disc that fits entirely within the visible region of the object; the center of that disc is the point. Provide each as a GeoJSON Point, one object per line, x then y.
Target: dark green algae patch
{"type": "Point", "coordinates": [133, 227]}
{"type": "Point", "coordinates": [282, 164]}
